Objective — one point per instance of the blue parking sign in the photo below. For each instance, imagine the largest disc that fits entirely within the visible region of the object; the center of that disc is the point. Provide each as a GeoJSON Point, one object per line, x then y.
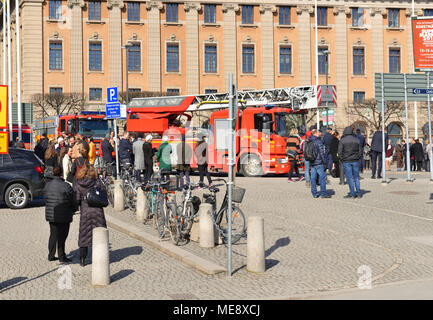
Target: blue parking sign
{"type": "Point", "coordinates": [112, 95]}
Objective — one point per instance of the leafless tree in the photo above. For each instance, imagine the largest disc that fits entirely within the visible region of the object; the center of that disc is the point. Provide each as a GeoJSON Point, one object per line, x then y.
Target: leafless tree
{"type": "Point", "coordinates": [368, 112]}
{"type": "Point", "coordinates": [58, 103]}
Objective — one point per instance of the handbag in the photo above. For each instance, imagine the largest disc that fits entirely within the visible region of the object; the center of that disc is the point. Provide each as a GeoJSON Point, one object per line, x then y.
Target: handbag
{"type": "Point", "coordinates": [291, 154]}
{"type": "Point", "coordinates": [97, 197]}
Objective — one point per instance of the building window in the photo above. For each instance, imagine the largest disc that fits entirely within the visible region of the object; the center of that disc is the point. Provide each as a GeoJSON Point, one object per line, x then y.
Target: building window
{"type": "Point", "coordinates": [56, 59]}
{"type": "Point", "coordinates": [210, 58]}
{"type": "Point", "coordinates": [393, 18]}
{"type": "Point", "coordinates": [55, 9]}
{"type": "Point", "coordinates": [134, 57]}
{"type": "Point", "coordinates": [358, 61]}
{"type": "Point", "coordinates": [133, 11]}
{"type": "Point", "coordinates": [56, 90]}
{"type": "Point", "coordinates": [358, 96]}
{"type": "Point", "coordinates": [323, 60]}
{"type": "Point", "coordinates": [394, 60]}
{"type": "Point", "coordinates": [172, 9]}
{"type": "Point", "coordinates": [284, 15]}
{"type": "Point", "coordinates": [94, 10]}
{"type": "Point", "coordinates": [173, 91]}
{"type": "Point", "coordinates": [172, 57]}
{"type": "Point", "coordinates": [357, 17]}
{"type": "Point", "coordinates": [95, 56]}
{"type": "Point", "coordinates": [247, 15]}
{"type": "Point", "coordinates": [95, 94]}
{"type": "Point", "coordinates": [322, 16]}
{"type": "Point", "coordinates": [428, 12]}
{"type": "Point", "coordinates": [209, 13]}
{"type": "Point", "coordinates": [134, 90]}
{"type": "Point", "coordinates": [248, 59]}
{"type": "Point", "coordinates": [285, 60]}
{"type": "Point", "coordinates": [395, 133]}
{"type": "Point", "coordinates": [210, 91]}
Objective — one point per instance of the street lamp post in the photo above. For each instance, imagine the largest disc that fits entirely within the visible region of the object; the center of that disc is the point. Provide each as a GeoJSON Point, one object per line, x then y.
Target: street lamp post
{"type": "Point", "coordinates": [326, 54]}
{"type": "Point", "coordinates": [127, 46]}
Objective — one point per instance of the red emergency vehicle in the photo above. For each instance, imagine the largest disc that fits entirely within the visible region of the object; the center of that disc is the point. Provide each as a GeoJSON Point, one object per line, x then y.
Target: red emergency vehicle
{"type": "Point", "coordinates": [264, 120]}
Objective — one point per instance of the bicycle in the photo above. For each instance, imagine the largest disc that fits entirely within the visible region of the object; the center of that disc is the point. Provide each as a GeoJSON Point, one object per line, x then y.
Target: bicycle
{"type": "Point", "coordinates": [238, 217]}
{"type": "Point", "coordinates": [129, 186]}
{"type": "Point", "coordinates": [161, 209]}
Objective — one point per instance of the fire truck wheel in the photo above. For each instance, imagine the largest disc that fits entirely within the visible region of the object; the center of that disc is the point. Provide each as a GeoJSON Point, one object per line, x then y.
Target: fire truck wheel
{"type": "Point", "coordinates": [252, 166]}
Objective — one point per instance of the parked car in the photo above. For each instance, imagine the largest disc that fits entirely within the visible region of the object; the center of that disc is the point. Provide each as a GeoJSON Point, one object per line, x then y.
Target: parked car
{"type": "Point", "coordinates": [21, 177]}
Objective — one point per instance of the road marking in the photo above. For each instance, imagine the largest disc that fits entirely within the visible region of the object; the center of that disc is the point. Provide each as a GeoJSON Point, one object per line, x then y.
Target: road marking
{"type": "Point", "coordinates": [427, 240]}
{"type": "Point", "coordinates": [382, 209]}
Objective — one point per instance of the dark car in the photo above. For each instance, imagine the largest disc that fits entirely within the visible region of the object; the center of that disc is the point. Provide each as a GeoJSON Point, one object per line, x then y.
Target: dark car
{"type": "Point", "coordinates": [21, 177]}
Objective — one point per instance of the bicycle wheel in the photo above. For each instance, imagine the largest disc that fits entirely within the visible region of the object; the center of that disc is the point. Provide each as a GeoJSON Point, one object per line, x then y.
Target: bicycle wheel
{"type": "Point", "coordinates": [187, 220]}
{"type": "Point", "coordinates": [128, 193]}
{"type": "Point", "coordinates": [159, 217]}
{"type": "Point", "coordinates": [238, 225]}
{"type": "Point", "coordinates": [174, 226]}
{"type": "Point", "coordinates": [109, 186]}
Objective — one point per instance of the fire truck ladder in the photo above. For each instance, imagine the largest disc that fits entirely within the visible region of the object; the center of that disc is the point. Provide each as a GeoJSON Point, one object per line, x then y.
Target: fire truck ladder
{"type": "Point", "coordinates": [297, 98]}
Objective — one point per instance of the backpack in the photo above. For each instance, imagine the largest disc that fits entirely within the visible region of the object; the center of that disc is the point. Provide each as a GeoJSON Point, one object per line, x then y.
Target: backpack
{"type": "Point", "coordinates": [309, 151]}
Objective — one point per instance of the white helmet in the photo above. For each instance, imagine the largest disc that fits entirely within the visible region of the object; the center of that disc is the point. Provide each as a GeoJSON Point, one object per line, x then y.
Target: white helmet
{"type": "Point", "coordinates": [149, 137]}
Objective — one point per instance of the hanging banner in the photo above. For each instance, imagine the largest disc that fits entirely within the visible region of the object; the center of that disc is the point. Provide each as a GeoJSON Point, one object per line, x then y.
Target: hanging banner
{"type": "Point", "coordinates": [4, 142]}
{"type": "Point", "coordinates": [3, 107]}
{"type": "Point", "coordinates": [422, 37]}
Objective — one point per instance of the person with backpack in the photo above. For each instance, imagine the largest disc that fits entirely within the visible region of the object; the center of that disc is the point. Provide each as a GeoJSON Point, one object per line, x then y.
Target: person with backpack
{"type": "Point", "coordinates": [314, 151]}
{"type": "Point", "coordinates": [349, 152]}
{"type": "Point", "coordinates": [81, 161]}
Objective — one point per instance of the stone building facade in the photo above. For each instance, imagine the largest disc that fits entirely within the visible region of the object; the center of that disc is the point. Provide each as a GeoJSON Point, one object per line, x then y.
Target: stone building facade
{"type": "Point", "coordinates": [190, 47]}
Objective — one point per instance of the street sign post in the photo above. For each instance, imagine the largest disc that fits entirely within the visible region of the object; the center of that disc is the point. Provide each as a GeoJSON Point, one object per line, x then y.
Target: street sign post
{"type": "Point", "coordinates": [112, 111]}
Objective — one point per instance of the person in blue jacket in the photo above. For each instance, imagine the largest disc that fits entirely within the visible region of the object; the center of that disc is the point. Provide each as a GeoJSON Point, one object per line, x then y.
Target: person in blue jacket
{"type": "Point", "coordinates": [318, 166]}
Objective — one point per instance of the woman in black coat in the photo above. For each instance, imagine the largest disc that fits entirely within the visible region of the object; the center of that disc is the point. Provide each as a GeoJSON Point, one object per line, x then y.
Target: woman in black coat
{"type": "Point", "coordinates": [59, 208]}
{"type": "Point", "coordinates": [90, 217]}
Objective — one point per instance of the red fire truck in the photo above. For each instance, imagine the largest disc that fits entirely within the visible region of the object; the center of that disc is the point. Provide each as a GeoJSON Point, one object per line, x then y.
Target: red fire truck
{"type": "Point", "coordinates": [265, 118]}
{"type": "Point", "coordinates": [87, 123]}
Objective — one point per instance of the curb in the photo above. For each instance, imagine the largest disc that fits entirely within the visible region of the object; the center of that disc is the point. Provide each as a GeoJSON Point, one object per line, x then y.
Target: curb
{"type": "Point", "coordinates": [168, 248]}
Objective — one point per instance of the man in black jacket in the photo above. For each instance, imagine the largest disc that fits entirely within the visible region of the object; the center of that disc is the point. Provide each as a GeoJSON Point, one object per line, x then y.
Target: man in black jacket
{"type": "Point", "coordinates": [59, 208]}
{"type": "Point", "coordinates": [376, 153]}
{"type": "Point", "coordinates": [350, 151]}
{"type": "Point", "coordinates": [107, 151]}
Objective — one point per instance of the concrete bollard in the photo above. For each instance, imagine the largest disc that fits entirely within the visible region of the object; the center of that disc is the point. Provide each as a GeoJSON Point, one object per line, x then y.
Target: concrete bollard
{"type": "Point", "coordinates": [100, 257]}
{"type": "Point", "coordinates": [141, 208]}
{"type": "Point", "coordinates": [207, 228]}
{"type": "Point", "coordinates": [119, 201]}
{"type": "Point", "coordinates": [256, 245]}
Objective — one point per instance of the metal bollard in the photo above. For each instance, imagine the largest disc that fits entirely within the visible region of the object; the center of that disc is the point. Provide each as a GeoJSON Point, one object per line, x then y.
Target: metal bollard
{"type": "Point", "coordinates": [141, 205]}
{"type": "Point", "coordinates": [100, 257]}
{"type": "Point", "coordinates": [207, 228]}
{"type": "Point", "coordinates": [119, 201]}
{"type": "Point", "coordinates": [256, 245]}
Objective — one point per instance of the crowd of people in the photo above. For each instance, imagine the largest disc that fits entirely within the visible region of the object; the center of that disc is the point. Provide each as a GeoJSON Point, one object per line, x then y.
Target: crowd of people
{"type": "Point", "coordinates": [348, 155]}
{"type": "Point", "coordinates": [71, 170]}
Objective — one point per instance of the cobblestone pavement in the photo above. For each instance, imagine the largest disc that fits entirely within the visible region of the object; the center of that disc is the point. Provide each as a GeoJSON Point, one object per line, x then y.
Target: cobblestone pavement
{"type": "Point", "coordinates": [312, 246]}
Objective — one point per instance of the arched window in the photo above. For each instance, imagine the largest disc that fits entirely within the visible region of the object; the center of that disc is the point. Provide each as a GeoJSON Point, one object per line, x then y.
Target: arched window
{"type": "Point", "coordinates": [394, 132]}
